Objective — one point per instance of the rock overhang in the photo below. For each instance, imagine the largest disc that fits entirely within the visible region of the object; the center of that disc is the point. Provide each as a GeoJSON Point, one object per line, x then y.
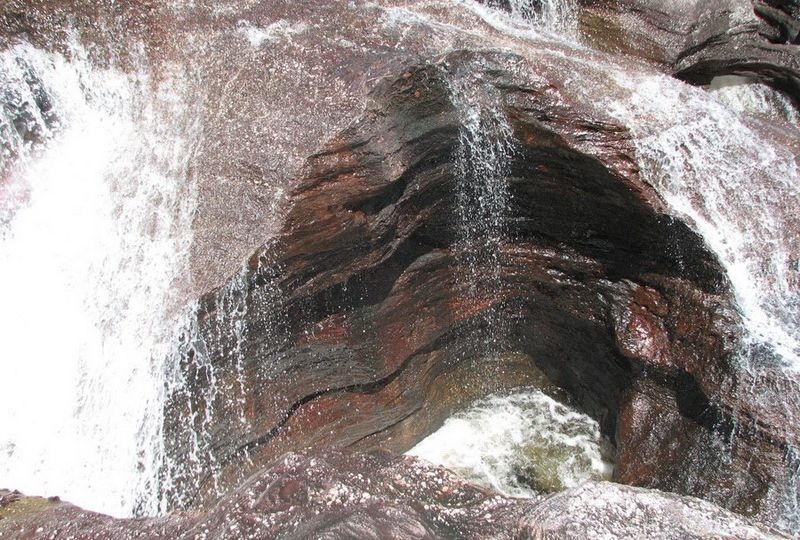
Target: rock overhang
{"type": "Point", "coordinates": [377, 323]}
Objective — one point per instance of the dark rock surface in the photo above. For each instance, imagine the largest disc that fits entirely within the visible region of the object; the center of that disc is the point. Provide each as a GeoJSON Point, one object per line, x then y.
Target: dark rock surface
{"type": "Point", "coordinates": [338, 495]}
{"type": "Point", "coordinates": [700, 40]}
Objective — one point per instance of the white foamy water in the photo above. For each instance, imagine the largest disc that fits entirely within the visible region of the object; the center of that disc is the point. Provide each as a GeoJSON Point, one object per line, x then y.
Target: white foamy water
{"type": "Point", "coordinates": [550, 14]}
{"type": "Point", "coordinates": [520, 444]}
{"type": "Point", "coordinates": [737, 183]}
{"type": "Point", "coordinates": [529, 18]}
{"type": "Point", "coordinates": [87, 265]}
{"type": "Point", "coordinates": [746, 96]}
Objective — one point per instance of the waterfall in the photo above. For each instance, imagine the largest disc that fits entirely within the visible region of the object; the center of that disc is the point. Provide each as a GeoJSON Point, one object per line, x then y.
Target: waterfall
{"type": "Point", "coordinates": [96, 207]}
{"type": "Point", "coordinates": [554, 15]}
{"type": "Point", "coordinates": [482, 164]}
{"type": "Point", "coordinates": [213, 353]}
{"type": "Point", "coordinates": [737, 181]}
{"type": "Point", "coordinates": [529, 18]}
{"type": "Point", "coordinates": [94, 240]}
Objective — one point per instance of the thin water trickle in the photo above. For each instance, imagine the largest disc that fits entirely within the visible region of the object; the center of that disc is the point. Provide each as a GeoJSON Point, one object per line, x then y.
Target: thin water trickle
{"type": "Point", "coordinates": [209, 382]}
{"type": "Point", "coordinates": [481, 166]}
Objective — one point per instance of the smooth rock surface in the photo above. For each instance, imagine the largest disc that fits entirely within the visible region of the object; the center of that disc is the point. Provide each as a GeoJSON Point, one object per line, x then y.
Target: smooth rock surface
{"type": "Point", "coordinates": [335, 495]}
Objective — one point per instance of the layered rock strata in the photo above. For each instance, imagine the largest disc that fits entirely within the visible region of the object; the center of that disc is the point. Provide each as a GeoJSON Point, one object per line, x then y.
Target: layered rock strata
{"type": "Point", "coordinates": [367, 321]}
{"type": "Point", "coordinates": [369, 316]}
{"type": "Point", "coordinates": [697, 41]}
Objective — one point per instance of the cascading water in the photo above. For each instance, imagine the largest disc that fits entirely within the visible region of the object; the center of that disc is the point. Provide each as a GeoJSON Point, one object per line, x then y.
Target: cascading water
{"type": "Point", "coordinates": [539, 18]}
{"type": "Point", "coordinates": [523, 443]}
{"type": "Point", "coordinates": [94, 179]}
{"type": "Point", "coordinates": [552, 15]}
{"type": "Point", "coordinates": [93, 244]}
{"type": "Point", "coordinates": [738, 182]}
{"type": "Point", "coordinates": [746, 96]}
{"type": "Point", "coordinates": [481, 167]}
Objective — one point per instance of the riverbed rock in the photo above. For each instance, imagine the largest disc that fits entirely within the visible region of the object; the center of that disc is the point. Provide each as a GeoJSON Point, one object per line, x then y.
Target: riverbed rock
{"type": "Point", "coordinates": [343, 495]}
{"type": "Point", "coordinates": [699, 40]}
{"type": "Point", "coordinates": [368, 321]}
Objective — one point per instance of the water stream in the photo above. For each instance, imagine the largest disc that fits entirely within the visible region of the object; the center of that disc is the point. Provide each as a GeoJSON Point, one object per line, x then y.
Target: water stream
{"type": "Point", "coordinates": [93, 243]}
{"type": "Point", "coordinates": [481, 168]}
{"type": "Point", "coordinates": [735, 179]}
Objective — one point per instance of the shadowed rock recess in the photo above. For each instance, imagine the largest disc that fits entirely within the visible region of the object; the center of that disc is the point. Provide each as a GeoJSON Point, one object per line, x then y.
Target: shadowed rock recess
{"type": "Point", "coordinates": [367, 322]}
{"type": "Point", "coordinates": [699, 40]}
{"type": "Point", "coordinates": [396, 292]}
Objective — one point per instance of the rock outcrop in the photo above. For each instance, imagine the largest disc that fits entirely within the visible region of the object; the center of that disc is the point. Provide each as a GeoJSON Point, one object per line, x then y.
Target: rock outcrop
{"type": "Point", "coordinates": [697, 41]}
{"type": "Point", "coordinates": [369, 319]}
{"type": "Point", "coordinates": [334, 495]}
{"type": "Point", "coordinates": [381, 300]}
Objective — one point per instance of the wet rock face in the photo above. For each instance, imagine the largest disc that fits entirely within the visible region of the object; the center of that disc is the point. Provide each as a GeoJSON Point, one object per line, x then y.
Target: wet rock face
{"type": "Point", "coordinates": [369, 320]}
{"type": "Point", "coordinates": [697, 41]}
{"type": "Point", "coordinates": [52, 24]}
{"type": "Point", "coordinates": [615, 511]}
{"type": "Point", "coordinates": [340, 495]}
{"type": "Point", "coordinates": [369, 315]}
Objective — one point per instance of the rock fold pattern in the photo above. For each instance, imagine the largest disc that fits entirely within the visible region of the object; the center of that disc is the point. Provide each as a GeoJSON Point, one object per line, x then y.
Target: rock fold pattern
{"type": "Point", "coordinates": [369, 315]}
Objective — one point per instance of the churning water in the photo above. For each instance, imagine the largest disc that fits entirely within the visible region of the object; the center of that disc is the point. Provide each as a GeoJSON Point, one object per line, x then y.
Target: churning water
{"type": "Point", "coordinates": [520, 444]}
{"type": "Point", "coordinates": [528, 17]}
{"type": "Point", "coordinates": [94, 237]}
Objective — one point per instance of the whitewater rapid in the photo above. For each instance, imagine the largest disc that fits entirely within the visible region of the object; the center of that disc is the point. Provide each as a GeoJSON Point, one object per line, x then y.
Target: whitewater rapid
{"type": "Point", "coordinates": [522, 444]}
{"type": "Point", "coordinates": [90, 252]}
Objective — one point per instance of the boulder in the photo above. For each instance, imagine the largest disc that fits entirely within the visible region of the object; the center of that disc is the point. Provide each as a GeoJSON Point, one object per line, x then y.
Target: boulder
{"type": "Point", "coordinates": [342, 495]}
{"type": "Point", "coordinates": [699, 40]}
